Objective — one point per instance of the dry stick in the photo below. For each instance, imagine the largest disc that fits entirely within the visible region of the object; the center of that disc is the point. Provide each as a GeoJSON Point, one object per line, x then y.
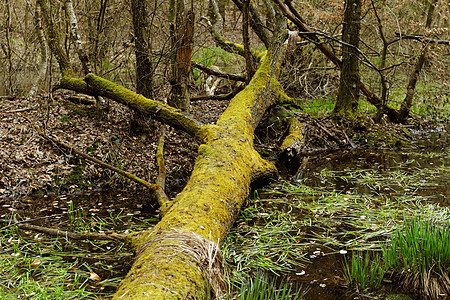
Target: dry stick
{"type": "Point", "coordinates": [22, 109]}
{"type": "Point", "coordinates": [130, 176]}
{"type": "Point", "coordinates": [422, 38]}
{"type": "Point", "coordinates": [112, 236]}
{"type": "Point", "coordinates": [219, 97]}
{"type": "Point", "coordinates": [349, 140]}
{"type": "Point", "coordinates": [326, 130]}
{"type": "Point", "coordinates": [218, 73]}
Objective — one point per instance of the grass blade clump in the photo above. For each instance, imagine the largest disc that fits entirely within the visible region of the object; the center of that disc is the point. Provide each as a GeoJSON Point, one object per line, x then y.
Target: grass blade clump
{"type": "Point", "coordinates": [419, 253]}
{"type": "Point", "coordinates": [365, 272]}
{"type": "Point", "coordinates": [263, 288]}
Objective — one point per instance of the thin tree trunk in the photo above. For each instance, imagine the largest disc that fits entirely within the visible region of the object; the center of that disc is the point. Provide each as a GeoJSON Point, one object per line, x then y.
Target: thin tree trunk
{"type": "Point", "coordinates": [143, 48]}
{"type": "Point", "coordinates": [348, 92]}
{"type": "Point", "coordinates": [249, 63]}
{"type": "Point", "coordinates": [74, 33]}
{"type": "Point", "coordinates": [44, 53]}
{"type": "Point", "coordinates": [182, 35]}
{"type": "Point", "coordinates": [414, 76]}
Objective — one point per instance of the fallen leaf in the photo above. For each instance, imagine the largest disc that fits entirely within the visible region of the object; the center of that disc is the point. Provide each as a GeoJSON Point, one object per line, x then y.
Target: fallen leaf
{"type": "Point", "coordinates": [36, 262]}
{"type": "Point", "coordinates": [95, 277]}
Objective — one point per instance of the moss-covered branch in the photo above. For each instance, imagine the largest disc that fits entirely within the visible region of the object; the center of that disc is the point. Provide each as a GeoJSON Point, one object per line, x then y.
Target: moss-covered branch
{"type": "Point", "coordinates": [159, 111]}
{"type": "Point", "coordinates": [295, 139]}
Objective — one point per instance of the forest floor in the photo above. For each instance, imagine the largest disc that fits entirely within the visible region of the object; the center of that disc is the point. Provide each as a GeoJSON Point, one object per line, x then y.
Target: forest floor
{"type": "Point", "coordinates": [41, 182]}
{"type": "Point", "coordinates": [29, 164]}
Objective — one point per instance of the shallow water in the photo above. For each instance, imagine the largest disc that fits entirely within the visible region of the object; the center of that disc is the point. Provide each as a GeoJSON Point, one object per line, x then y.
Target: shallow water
{"type": "Point", "coordinates": [422, 170]}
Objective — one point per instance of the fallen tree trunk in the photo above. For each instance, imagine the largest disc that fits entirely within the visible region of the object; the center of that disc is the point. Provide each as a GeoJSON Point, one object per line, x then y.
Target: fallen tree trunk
{"type": "Point", "coordinates": [167, 265]}
{"type": "Point", "coordinates": [179, 258]}
{"type": "Point", "coordinates": [207, 207]}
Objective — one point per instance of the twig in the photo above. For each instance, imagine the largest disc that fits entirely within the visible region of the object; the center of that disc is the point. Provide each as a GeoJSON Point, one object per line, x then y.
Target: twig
{"type": "Point", "coordinates": [219, 97]}
{"type": "Point", "coordinates": [349, 140]}
{"type": "Point", "coordinates": [421, 38]}
{"type": "Point", "coordinates": [112, 236]}
{"type": "Point", "coordinates": [22, 109]}
{"type": "Point", "coordinates": [326, 130]}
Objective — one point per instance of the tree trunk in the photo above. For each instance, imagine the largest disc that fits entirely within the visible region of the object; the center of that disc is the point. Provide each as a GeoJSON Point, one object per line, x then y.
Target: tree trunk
{"type": "Point", "coordinates": [144, 68]}
{"type": "Point", "coordinates": [249, 63]}
{"type": "Point", "coordinates": [348, 93]}
{"type": "Point", "coordinates": [414, 76]}
{"type": "Point", "coordinates": [82, 54]}
{"type": "Point", "coordinates": [227, 163]}
{"type": "Point", "coordinates": [43, 65]}
{"type": "Point", "coordinates": [182, 36]}
{"type": "Point", "coordinates": [179, 258]}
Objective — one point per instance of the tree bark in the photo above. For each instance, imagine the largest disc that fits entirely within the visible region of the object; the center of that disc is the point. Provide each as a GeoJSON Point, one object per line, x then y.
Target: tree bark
{"type": "Point", "coordinates": [249, 63]}
{"type": "Point", "coordinates": [348, 92]}
{"type": "Point", "coordinates": [82, 54]}
{"type": "Point", "coordinates": [182, 35]}
{"type": "Point", "coordinates": [43, 65]}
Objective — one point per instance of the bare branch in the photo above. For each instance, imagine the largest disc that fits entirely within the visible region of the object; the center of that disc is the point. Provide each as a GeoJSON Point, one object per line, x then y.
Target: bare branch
{"type": "Point", "coordinates": [110, 236]}
{"type": "Point", "coordinates": [218, 73]}
{"type": "Point", "coordinates": [422, 38]}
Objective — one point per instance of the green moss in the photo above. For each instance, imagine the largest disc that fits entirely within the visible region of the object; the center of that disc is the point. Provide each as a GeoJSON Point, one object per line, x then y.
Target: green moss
{"type": "Point", "coordinates": [295, 133]}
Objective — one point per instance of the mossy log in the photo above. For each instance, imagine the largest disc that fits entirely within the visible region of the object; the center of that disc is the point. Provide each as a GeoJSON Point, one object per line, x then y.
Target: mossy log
{"type": "Point", "coordinates": [172, 256]}
{"type": "Point", "coordinates": [177, 259]}
{"type": "Point", "coordinates": [209, 204]}
{"type": "Point", "coordinates": [295, 140]}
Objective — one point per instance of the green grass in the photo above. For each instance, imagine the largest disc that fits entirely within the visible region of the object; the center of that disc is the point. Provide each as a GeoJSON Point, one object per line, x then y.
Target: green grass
{"type": "Point", "coordinates": [419, 252]}
{"type": "Point", "coordinates": [32, 270]}
{"type": "Point", "coordinates": [364, 271]}
{"type": "Point", "coordinates": [261, 287]}
{"type": "Point", "coordinates": [35, 266]}
{"type": "Point", "coordinates": [263, 241]}
{"type": "Point", "coordinates": [283, 221]}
